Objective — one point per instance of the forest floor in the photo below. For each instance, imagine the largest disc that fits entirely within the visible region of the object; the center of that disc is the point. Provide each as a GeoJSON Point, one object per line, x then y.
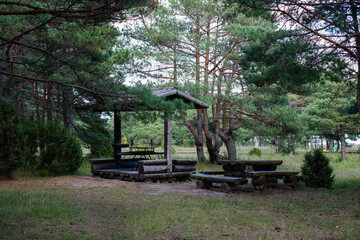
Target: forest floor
{"type": "Point", "coordinates": [85, 207]}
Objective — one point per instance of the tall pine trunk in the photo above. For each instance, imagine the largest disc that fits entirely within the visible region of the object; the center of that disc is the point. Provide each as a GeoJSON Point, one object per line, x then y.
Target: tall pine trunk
{"type": "Point", "coordinates": [199, 143]}
{"type": "Point", "coordinates": [354, 13]}
{"type": "Point", "coordinates": [343, 143]}
{"type": "Point", "coordinates": [67, 114]}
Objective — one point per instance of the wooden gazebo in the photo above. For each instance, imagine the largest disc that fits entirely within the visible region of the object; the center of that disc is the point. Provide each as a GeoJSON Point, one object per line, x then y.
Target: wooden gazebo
{"type": "Point", "coordinates": [147, 164]}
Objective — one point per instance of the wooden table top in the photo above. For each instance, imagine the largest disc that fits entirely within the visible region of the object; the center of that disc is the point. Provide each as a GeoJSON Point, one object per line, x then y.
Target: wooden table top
{"type": "Point", "coordinates": [251, 162]}
{"type": "Point", "coordinates": [139, 153]}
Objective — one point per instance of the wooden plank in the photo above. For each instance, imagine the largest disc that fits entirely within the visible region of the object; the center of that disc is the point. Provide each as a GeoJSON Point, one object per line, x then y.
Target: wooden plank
{"type": "Point", "coordinates": [251, 162]}
{"type": "Point", "coordinates": [236, 173]}
{"type": "Point", "coordinates": [153, 162]}
{"type": "Point", "coordinates": [217, 179]}
{"type": "Point", "coordinates": [144, 169]}
{"type": "Point", "coordinates": [104, 165]}
{"type": "Point", "coordinates": [184, 168]}
{"type": "Point", "coordinates": [184, 161]}
{"type": "Point", "coordinates": [228, 187]}
{"type": "Point", "coordinates": [272, 173]}
{"type": "Point", "coordinates": [101, 160]}
{"type": "Point", "coordinates": [120, 171]}
{"type": "Point", "coordinates": [213, 172]}
{"type": "Point", "coordinates": [165, 175]}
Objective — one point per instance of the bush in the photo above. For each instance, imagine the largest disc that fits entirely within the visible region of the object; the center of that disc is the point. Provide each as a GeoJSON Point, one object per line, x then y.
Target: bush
{"type": "Point", "coordinates": [100, 141]}
{"type": "Point", "coordinates": [9, 140]}
{"type": "Point", "coordinates": [358, 150]}
{"type": "Point", "coordinates": [317, 168]}
{"type": "Point", "coordinates": [29, 131]}
{"type": "Point", "coordinates": [187, 142]}
{"type": "Point", "coordinates": [255, 152]}
{"type": "Point", "coordinates": [60, 150]}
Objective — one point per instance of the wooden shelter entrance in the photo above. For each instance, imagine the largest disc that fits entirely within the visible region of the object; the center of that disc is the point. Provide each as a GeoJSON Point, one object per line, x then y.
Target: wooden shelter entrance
{"type": "Point", "coordinates": [147, 164]}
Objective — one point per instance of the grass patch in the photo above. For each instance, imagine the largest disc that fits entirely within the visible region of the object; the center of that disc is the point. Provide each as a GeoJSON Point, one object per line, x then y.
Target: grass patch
{"type": "Point", "coordinates": [32, 215]}
{"type": "Point", "coordinates": [133, 211]}
{"type": "Point", "coordinates": [125, 213]}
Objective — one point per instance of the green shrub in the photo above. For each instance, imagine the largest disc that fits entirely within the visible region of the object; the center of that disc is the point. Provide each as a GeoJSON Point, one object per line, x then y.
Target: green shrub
{"type": "Point", "coordinates": [358, 150]}
{"type": "Point", "coordinates": [124, 140]}
{"type": "Point", "coordinates": [187, 142]}
{"type": "Point", "coordinates": [9, 139]}
{"type": "Point", "coordinates": [29, 131]}
{"type": "Point", "coordinates": [60, 150]}
{"type": "Point", "coordinates": [255, 152]}
{"type": "Point", "coordinates": [317, 168]}
{"type": "Point", "coordinates": [101, 141]}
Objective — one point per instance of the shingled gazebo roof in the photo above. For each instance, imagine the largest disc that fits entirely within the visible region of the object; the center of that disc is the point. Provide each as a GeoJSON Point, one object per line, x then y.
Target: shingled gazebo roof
{"type": "Point", "coordinates": [173, 93]}
{"type": "Point", "coordinates": [170, 93]}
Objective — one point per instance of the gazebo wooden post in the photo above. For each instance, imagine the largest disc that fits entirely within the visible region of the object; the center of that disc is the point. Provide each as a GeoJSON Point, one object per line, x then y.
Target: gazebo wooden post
{"type": "Point", "coordinates": [168, 143]}
{"type": "Point", "coordinates": [117, 138]}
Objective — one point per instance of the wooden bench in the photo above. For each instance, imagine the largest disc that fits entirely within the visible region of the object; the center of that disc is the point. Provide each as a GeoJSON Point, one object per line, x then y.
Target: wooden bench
{"type": "Point", "coordinates": [227, 183]}
{"type": "Point", "coordinates": [263, 179]}
{"type": "Point", "coordinates": [105, 163]}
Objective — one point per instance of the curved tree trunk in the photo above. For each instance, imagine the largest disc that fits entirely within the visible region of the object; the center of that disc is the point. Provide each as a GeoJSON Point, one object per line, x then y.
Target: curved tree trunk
{"type": "Point", "coordinates": [230, 145]}
{"type": "Point", "coordinates": [197, 134]}
{"type": "Point", "coordinates": [199, 141]}
{"type": "Point", "coordinates": [213, 150]}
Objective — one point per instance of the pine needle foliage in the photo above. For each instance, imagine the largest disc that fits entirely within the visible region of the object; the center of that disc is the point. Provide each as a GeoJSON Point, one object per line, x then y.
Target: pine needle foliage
{"type": "Point", "coordinates": [9, 139]}
{"type": "Point", "coordinates": [317, 168]}
{"type": "Point", "coordinates": [61, 150]}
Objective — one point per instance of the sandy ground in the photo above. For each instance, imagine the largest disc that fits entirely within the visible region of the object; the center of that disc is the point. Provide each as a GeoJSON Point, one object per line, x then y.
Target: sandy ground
{"type": "Point", "coordinates": [86, 182]}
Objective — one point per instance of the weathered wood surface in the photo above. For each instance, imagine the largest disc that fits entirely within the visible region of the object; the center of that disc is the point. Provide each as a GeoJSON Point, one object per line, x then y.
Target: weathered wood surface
{"type": "Point", "coordinates": [164, 161]}
{"type": "Point", "coordinates": [213, 172]}
{"type": "Point", "coordinates": [264, 167]}
{"type": "Point", "coordinates": [165, 175]}
{"type": "Point", "coordinates": [143, 169]}
{"type": "Point", "coordinates": [184, 168]}
{"type": "Point", "coordinates": [271, 179]}
{"type": "Point", "coordinates": [291, 180]}
{"type": "Point", "coordinates": [104, 165]}
{"type": "Point", "coordinates": [236, 173]}
{"type": "Point", "coordinates": [146, 154]}
{"type": "Point", "coordinates": [184, 161]}
{"type": "Point", "coordinates": [153, 162]}
{"type": "Point", "coordinates": [259, 180]}
{"type": "Point", "coordinates": [234, 168]}
{"type": "Point", "coordinates": [203, 185]}
{"type": "Point", "coordinates": [251, 162]}
{"type": "Point", "coordinates": [218, 179]}
{"type": "Point", "coordinates": [101, 160]}
{"type": "Point", "coordinates": [228, 187]}
{"type": "Point", "coordinates": [272, 173]}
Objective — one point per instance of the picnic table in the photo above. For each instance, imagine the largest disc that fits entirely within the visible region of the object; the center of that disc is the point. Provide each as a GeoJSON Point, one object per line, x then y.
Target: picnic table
{"type": "Point", "coordinates": [257, 165]}
{"type": "Point", "coordinates": [262, 175]}
{"type": "Point", "coordinates": [133, 157]}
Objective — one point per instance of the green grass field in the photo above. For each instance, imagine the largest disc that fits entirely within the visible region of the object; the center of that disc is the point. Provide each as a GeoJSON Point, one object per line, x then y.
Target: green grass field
{"type": "Point", "coordinates": [82, 207]}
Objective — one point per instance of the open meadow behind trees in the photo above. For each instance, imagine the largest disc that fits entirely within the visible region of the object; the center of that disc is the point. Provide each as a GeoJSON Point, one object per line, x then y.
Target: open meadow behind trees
{"type": "Point", "coordinates": [85, 207]}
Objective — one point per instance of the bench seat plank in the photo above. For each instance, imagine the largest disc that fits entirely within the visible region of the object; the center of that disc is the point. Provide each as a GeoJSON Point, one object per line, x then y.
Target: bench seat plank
{"type": "Point", "coordinates": [271, 173]}
{"type": "Point", "coordinates": [216, 178]}
{"type": "Point", "coordinates": [102, 160]}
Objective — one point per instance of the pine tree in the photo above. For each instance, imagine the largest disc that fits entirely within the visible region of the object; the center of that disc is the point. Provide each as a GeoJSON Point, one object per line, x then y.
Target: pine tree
{"type": "Point", "coordinates": [317, 169]}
